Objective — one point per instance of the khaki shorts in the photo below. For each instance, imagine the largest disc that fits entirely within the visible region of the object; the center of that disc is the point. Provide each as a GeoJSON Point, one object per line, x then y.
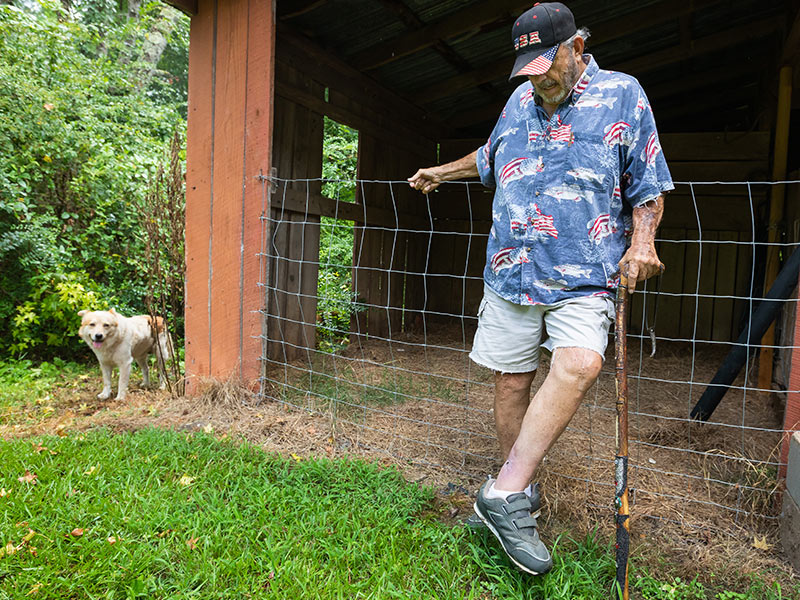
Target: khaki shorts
{"type": "Point", "coordinates": [509, 335]}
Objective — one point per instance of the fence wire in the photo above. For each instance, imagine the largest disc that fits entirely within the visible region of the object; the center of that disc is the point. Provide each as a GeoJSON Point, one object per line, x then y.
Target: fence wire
{"type": "Point", "coordinates": [384, 351]}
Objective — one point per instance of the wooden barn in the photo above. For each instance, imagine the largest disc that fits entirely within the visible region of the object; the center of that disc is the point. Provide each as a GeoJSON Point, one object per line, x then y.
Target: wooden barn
{"type": "Point", "coordinates": [423, 82]}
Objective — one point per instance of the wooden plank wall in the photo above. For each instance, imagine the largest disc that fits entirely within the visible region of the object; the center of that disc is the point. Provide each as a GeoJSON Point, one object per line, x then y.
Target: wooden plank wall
{"type": "Point", "coordinates": [721, 213]}
{"type": "Point", "coordinates": [309, 84]}
{"type": "Point", "coordinates": [228, 145]}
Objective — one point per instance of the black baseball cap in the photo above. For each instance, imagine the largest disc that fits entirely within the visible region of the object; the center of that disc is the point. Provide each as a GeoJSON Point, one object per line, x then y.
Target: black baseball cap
{"type": "Point", "coordinates": [537, 34]}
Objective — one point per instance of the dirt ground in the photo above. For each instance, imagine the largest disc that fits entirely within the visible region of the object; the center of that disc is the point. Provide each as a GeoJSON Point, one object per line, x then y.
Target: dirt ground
{"type": "Point", "coordinates": [703, 496]}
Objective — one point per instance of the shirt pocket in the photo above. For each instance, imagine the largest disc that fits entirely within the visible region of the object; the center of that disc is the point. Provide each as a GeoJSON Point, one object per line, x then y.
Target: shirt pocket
{"type": "Point", "coordinates": [584, 161]}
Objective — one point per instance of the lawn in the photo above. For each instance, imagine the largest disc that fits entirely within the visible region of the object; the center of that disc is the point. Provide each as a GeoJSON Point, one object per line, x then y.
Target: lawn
{"type": "Point", "coordinates": [158, 513]}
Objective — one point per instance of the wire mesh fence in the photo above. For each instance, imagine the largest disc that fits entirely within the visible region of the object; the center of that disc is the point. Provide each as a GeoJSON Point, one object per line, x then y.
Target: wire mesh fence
{"type": "Point", "coordinates": [377, 336]}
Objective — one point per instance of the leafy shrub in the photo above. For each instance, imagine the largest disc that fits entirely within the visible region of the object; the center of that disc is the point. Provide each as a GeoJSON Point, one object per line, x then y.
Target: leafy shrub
{"type": "Point", "coordinates": [80, 137]}
{"type": "Point", "coordinates": [335, 289]}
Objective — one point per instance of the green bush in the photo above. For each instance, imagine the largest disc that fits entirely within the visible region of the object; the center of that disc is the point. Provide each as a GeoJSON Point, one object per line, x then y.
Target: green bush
{"type": "Point", "coordinates": [335, 289]}
{"type": "Point", "coordinates": [80, 138]}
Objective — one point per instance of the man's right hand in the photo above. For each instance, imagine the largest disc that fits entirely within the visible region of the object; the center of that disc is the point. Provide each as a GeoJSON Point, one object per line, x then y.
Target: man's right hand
{"type": "Point", "coordinates": [426, 180]}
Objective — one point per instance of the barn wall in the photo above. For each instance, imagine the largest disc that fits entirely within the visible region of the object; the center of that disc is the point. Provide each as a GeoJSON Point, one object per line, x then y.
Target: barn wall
{"type": "Point", "coordinates": [228, 146]}
{"type": "Point", "coordinates": [310, 84]}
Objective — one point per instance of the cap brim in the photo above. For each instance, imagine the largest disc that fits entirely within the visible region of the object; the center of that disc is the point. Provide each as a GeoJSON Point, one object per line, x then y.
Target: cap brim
{"type": "Point", "coordinates": [534, 63]}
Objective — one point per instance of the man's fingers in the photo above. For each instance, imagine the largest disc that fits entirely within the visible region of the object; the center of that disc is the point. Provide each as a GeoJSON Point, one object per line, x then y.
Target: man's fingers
{"type": "Point", "coordinates": [632, 270]}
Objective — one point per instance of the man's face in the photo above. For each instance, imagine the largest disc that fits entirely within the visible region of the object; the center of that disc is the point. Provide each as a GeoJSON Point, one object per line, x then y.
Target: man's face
{"type": "Point", "coordinates": [554, 85]}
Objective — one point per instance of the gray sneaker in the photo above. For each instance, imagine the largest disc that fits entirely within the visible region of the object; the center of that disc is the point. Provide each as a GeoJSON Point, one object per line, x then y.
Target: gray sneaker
{"type": "Point", "coordinates": [512, 524]}
{"type": "Point", "coordinates": [475, 523]}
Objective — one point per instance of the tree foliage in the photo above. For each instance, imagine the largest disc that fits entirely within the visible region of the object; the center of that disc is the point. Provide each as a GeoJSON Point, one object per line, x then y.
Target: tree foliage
{"type": "Point", "coordinates": [80, 138]}
{"type": "Point", "coordinates": [335, 289]}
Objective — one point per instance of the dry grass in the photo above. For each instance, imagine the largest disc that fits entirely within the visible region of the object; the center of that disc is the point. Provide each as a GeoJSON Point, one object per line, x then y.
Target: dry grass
{"type": "Point", "coordinates": [440, 432]}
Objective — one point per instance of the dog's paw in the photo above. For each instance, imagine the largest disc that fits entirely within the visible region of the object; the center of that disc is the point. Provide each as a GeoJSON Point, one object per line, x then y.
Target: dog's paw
{"type": "Point", "coordinates": [162, 386]}
{"type": "Point", "coordinates": [104, 395]}
{"type": "Point", "coordinates": [120, 397]}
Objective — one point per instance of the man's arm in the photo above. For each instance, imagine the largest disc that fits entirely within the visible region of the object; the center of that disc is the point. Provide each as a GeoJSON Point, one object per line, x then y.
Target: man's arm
{"type": "Point", "coordinates": [641, 261]}
{"type": "Point", "coordinates": [428, 179]}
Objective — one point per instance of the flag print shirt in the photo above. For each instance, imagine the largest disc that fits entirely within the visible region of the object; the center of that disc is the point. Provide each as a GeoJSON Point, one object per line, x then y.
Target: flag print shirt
{"type": "Point", "coordinates": [566, 185]}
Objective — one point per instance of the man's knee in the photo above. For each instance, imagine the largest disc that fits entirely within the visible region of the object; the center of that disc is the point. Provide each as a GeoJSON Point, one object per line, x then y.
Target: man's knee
{"type": "Point", "coordinates": [579, 366]}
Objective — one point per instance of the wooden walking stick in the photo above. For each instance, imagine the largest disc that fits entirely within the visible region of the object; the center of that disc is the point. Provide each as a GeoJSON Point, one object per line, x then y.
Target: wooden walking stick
{"type": "Point", "coordinates": [621, 458]}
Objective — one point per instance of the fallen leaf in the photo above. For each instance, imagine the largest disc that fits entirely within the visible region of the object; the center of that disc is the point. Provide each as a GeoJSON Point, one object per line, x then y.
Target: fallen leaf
{"type": "Point", "coordinates": [192, 543]}
{"type": "Point", "coordinates": [77, 532]}
{"type": "Point", "coordinates": [48, 106]}
{"type": "Point", "coordinates": [10, 549]}
{"type": "Point", "coordinates": [4, 492]}
{"type": "Point", "coordinates": [36, 586]}
{"type": "Point", "coordinates": [28, 536]}
{"type": "Point", "coordinates": [311, 431]}
{"type": "Point", "coordinates": [28, 477]}
{"type": "Point", "coordinates": [294, 456]}
{"type": "Point", "coordinates": [163, 533]}
{"type": "Point", "coordinates": [112, 540]}
{"type": "Point", "coordinates": [186, 480]}
{"type": "Point", "coordinates": [761, 544]}
{"type": "Point", "coordinates": [90, 471]}
{"type": "Point", "coordinates": [209, 428]}
{"type": "Point", "coordinates": [38, 447]}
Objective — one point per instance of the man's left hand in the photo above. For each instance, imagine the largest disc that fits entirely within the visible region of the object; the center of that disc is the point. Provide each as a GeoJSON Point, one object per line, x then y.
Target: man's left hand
{"type": "Point", "coordinates": [640, 262]}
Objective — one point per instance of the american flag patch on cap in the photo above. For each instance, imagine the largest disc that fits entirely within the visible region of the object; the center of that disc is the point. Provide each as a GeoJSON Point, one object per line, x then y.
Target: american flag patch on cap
{"type": "Point", "coordinates": [541, 64]}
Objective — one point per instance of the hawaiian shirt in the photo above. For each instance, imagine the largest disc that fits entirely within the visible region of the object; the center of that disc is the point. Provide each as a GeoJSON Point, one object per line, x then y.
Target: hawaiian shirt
{"type": "Point", "coordinates": [566, 185]}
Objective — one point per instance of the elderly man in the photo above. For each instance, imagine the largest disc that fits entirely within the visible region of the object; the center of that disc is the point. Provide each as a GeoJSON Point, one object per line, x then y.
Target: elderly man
{"type": "Point", "coordinates": [579, 173]}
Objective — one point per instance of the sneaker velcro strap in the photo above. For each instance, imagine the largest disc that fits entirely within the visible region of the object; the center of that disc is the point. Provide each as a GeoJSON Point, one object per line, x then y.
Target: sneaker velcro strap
{"type": "Point", "coordinates": [525, 522]}
{"type": "Point", "coordinates": [521, 504]}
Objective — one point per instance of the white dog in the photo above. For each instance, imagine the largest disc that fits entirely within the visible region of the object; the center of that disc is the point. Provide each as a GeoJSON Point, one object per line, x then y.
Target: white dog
{"type": "Point", "coordinates": [118, 341]}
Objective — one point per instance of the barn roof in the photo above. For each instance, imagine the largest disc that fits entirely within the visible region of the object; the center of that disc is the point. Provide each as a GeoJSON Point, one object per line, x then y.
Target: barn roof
{"type": "Point", "coordinates": [706, 65]}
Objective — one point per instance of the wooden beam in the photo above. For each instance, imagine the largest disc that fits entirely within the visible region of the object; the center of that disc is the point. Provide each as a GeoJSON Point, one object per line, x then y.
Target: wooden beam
{"type": "Point", "coordinates": [188, 7]}
{"type": "Point", "coordinates": [777, 200]}
{"type": "Point", "coordinates": [305, 55]}
{"type": "Point", "coordinates": [468, 19]}
{"type": "Point", "coordinates": [289, 10]}
{"type": "Point", "coordinates": [648, 62]}
{"type": "Point", "coordinates": [711, 43]}
{"type": "Point", "coordinates": [314, 204]}
{"type": "Point", "coordinates": [362, 118]}
{"type": "Point", "coordinates": [503, 13]}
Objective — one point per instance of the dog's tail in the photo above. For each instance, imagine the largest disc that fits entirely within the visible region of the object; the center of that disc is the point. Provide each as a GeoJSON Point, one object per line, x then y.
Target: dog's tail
{"type": "Point", "coordinates": [157, 323]}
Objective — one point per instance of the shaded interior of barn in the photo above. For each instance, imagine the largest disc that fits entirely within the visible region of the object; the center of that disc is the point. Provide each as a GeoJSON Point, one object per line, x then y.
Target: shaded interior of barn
{"type": "Point", "coordinates": [423, 82]}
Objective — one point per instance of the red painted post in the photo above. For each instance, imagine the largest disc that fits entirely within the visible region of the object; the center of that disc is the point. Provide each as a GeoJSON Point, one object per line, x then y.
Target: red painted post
{"type": "Point", "coordinates": [229, 143]}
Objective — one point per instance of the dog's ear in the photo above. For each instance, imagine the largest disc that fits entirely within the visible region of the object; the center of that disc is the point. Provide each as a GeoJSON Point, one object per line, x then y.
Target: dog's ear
{"type": "Point", "coordinates": [82, 312]}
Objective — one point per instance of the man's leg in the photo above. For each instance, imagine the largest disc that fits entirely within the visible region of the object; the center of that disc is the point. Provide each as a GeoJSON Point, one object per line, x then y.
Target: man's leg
{"type": "Point", "coordinates": [572, 373]}
{"type": "Point", "coordinates": [512, 395]}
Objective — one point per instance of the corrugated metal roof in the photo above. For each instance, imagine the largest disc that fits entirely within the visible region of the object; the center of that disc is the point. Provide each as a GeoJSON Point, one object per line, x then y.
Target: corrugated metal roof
{"type": "Point", "coordinates": [353, 28]}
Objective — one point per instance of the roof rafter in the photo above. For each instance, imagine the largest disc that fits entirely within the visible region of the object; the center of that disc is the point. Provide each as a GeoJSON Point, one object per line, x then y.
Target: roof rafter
{"type": "Point", "coordinates": [471, 18]}
{"type": "Point", "coordinates": [648, 62]}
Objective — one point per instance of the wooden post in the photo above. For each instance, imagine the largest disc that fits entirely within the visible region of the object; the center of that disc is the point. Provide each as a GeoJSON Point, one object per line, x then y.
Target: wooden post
{"type": "Point", "coordinates": [622, 545]}
{"type": "Point", "coordinates": [776, 213]}
{"type": "Point", "coordinates": [791, 419]}
{"type": "Point", "coordinates": [231, 62]}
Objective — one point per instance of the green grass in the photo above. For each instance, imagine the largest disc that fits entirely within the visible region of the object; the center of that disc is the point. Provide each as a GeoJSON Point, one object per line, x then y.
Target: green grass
{"type": "Point", "coordinates": [191, 516]}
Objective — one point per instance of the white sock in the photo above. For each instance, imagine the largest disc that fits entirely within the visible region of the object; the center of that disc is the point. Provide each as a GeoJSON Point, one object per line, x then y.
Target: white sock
{"type": "Point", "coordinates": [529, 490]}
{"type": "Point", "coordinates": [494, 492]}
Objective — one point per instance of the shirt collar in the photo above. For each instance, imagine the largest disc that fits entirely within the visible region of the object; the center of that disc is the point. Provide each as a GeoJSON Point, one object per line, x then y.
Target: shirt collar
{"type": "Point", "coordinates": [583, 81]}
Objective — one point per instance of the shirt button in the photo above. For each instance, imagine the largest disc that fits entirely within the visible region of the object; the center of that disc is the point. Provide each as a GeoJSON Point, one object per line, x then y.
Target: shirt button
{"type": "Point", "coordinates": [528, 249]}
{"type": "Point", "coordinates": [537, 193]}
